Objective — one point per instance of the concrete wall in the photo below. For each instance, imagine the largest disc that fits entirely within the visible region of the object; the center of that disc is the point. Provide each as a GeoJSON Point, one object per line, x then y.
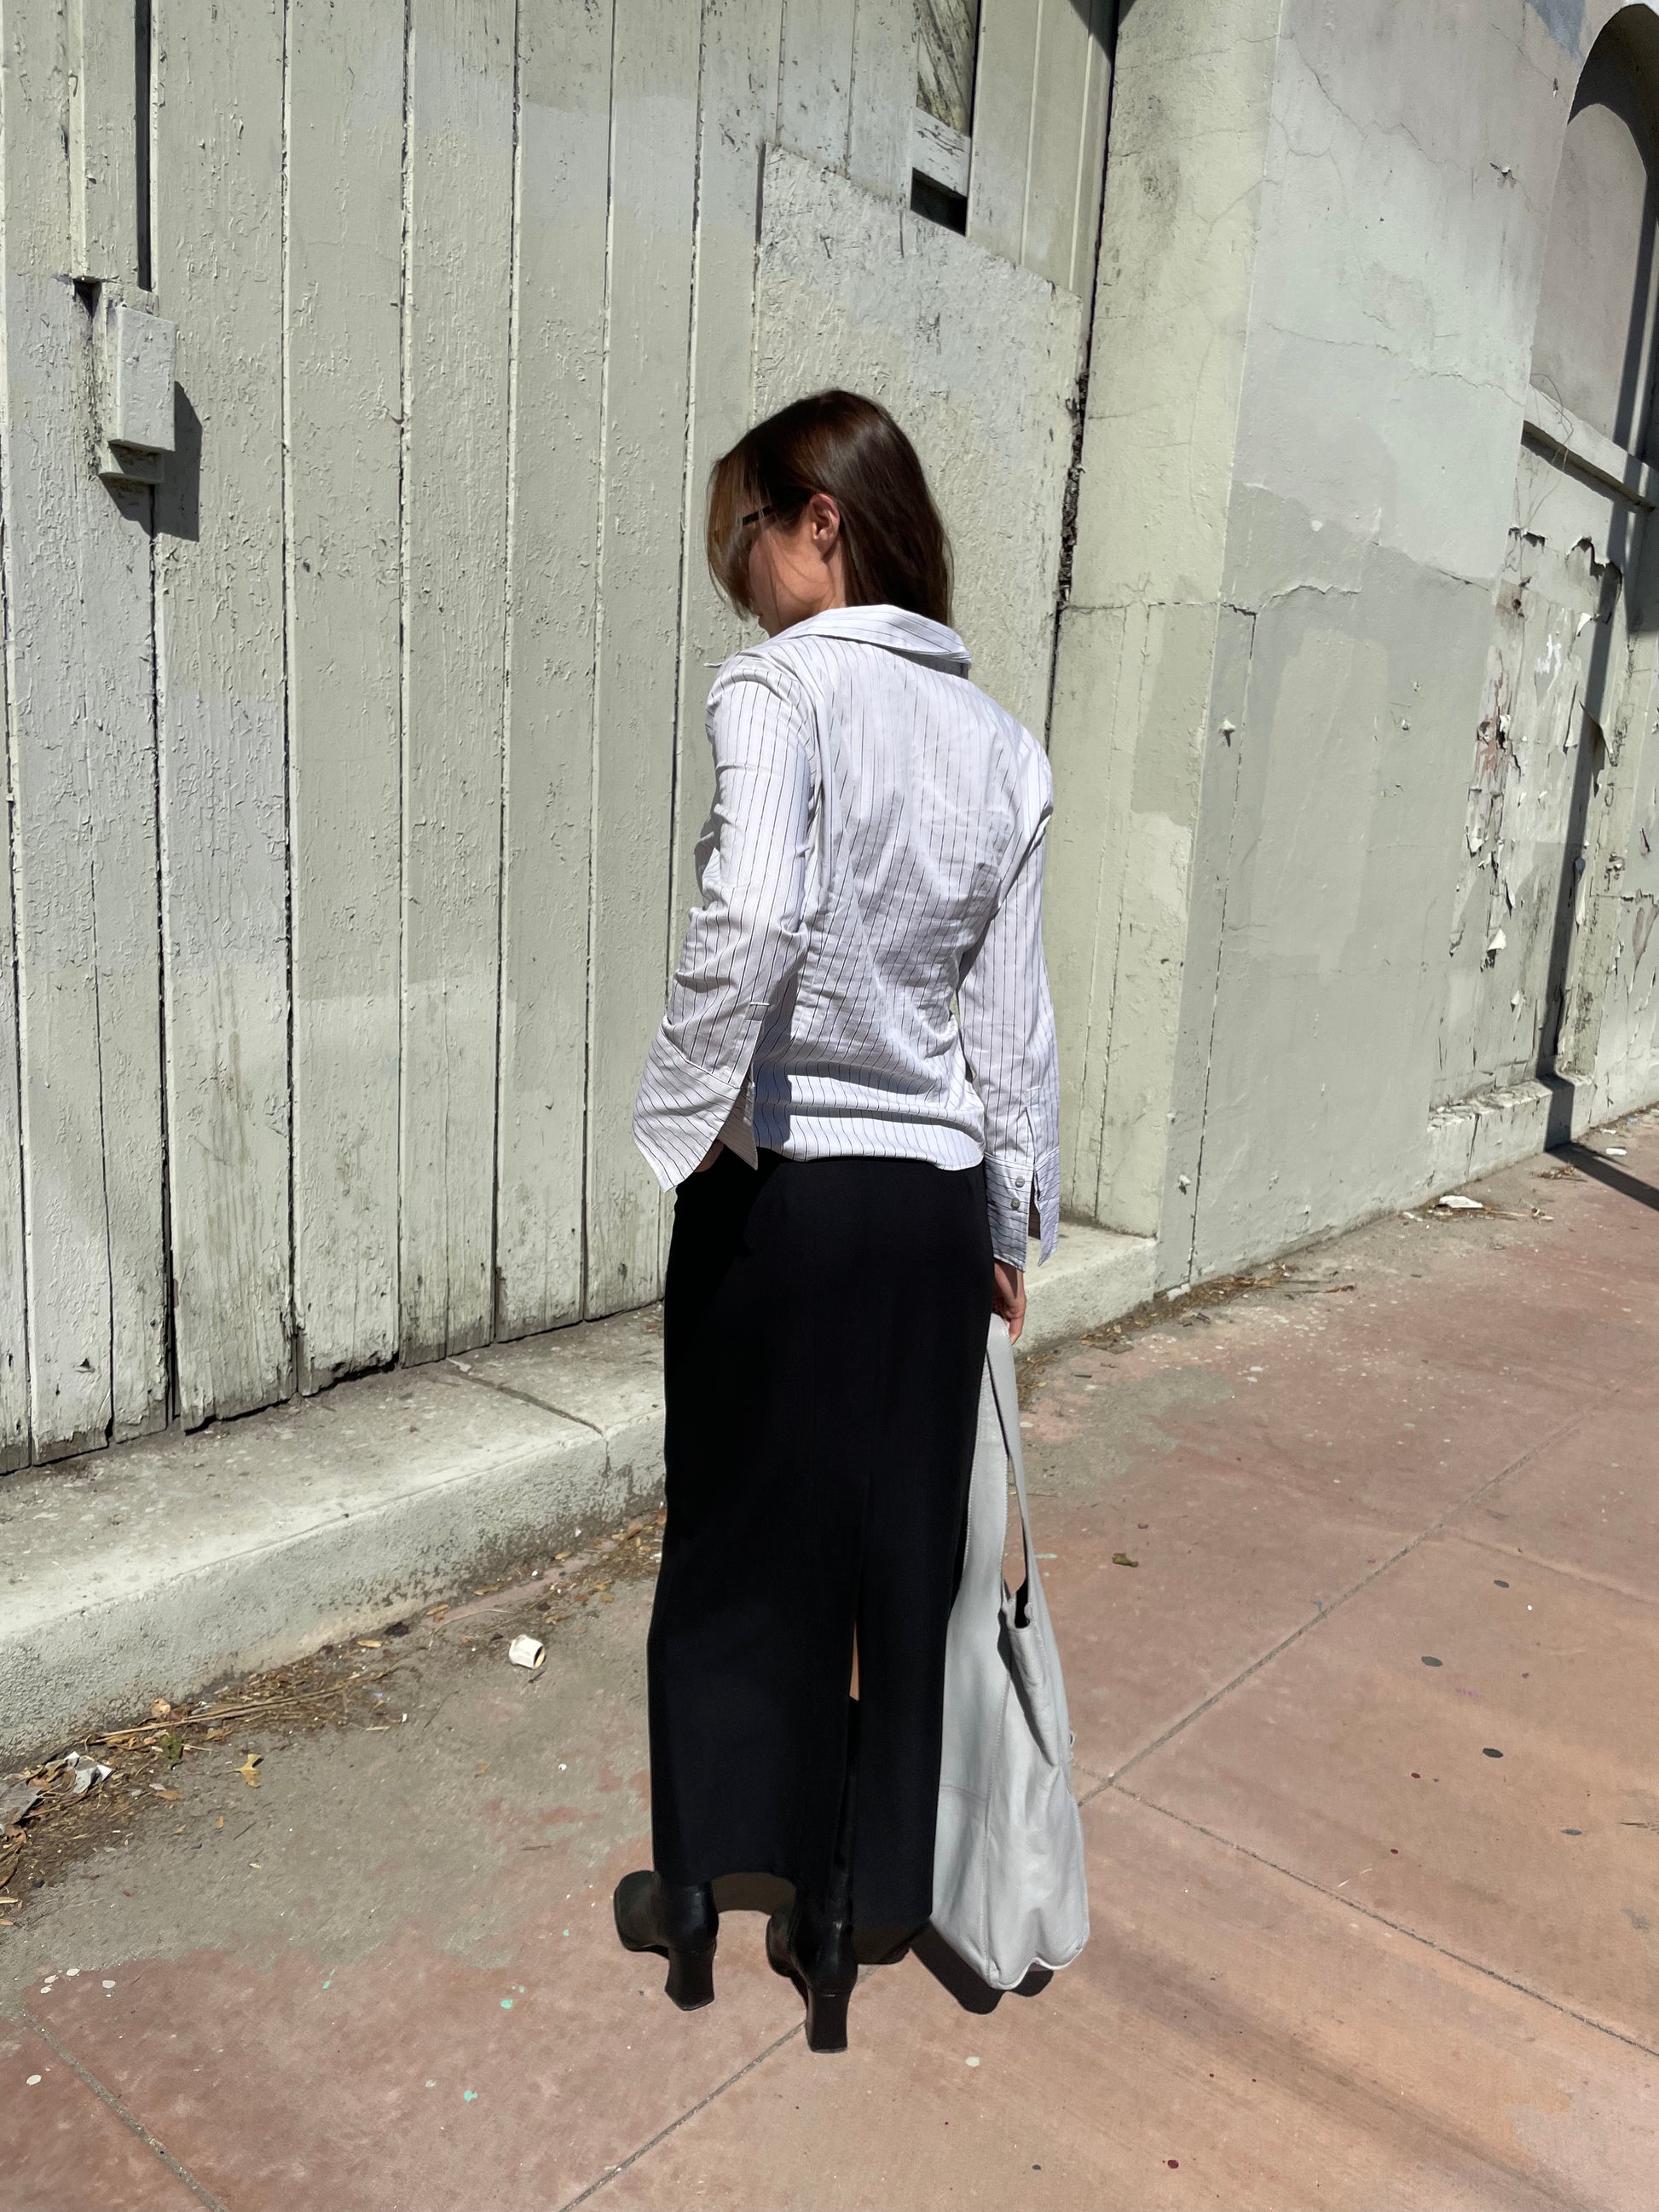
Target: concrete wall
{"type": "Point", "coordinates": [353, 771]}
{"type": "Point", "coordinates": [1319, 271]}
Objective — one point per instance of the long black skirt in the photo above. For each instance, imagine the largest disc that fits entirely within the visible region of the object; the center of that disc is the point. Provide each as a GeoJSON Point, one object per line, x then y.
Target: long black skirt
{"type": "Point", "coordinates": [824, 1328]}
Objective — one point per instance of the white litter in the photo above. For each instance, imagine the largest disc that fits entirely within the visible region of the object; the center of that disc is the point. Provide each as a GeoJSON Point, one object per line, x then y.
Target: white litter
{"type": "Point", "coordinates": [1455, 1202]}
{"type": "Point", "coordinates": [526, 1651]}
{"type": "Point", "coordinates": [1615, 1151]}
{"type": "Point", "coordinates": [86, 1770]}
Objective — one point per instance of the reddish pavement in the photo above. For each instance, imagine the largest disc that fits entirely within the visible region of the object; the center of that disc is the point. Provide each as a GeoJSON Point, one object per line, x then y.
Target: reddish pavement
{"type": "Point", "coordinates": [1368, 1744]}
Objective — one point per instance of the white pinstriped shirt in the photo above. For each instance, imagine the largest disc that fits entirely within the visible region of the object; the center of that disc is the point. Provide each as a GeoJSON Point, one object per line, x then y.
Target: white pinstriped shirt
{"type": "Point", "coordinates": [864, 973]}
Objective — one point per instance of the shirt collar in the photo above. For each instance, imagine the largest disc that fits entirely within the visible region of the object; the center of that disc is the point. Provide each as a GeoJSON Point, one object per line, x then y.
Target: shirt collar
{"type": "Point", "coordinates": [897, 628]}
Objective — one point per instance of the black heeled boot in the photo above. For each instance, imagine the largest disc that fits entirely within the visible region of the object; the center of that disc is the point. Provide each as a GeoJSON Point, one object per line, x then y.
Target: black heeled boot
{"type": "Point", "coordinates": [676, 1919]}
{"type": "Point", "coordinates": [811, 1939]}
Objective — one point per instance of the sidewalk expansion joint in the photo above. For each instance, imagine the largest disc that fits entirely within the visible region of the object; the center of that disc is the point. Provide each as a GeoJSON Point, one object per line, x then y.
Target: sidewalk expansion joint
{"type": "Point", "coordinates": [1396, 1926]}
{"type": "Point", "coordinates": [689, 2113]}
{"type": "Point", "coordinates": [129, 2120]}
{"type": "Point", "coordinates": [1325, 1612]}
{"type": "Point", "coordinates": [1564, 1567]}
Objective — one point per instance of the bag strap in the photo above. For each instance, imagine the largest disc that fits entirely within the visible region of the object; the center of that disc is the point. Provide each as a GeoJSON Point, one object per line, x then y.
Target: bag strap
{"type": "Point", "coordinates": [1000, 1362]}
{"type": "Point", "coordinates": [999, 1355]}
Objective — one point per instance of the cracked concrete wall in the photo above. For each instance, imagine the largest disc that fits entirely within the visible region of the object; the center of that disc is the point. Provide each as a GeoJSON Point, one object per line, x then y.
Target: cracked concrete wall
{"type": "Point", "coordinates": [1324, 235]}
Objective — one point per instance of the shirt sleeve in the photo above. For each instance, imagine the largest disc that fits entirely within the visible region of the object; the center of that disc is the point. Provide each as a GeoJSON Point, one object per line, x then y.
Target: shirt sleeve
{"type": "Point", "coordinates": [747, 936]}
{"type": "Point", "coordinates": [1007, 1021]}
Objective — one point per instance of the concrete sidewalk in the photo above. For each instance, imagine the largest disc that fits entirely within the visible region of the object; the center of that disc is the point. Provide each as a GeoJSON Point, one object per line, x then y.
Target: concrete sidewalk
{"type": "Point", "coordinates": [1367, 1739]}
{"type": "Point", "coordinates": [171, 1561]}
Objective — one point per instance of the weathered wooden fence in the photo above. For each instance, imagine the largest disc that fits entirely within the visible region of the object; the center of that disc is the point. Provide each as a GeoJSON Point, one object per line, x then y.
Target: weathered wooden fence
{"type": "Point", "coordinates": [354, 767]}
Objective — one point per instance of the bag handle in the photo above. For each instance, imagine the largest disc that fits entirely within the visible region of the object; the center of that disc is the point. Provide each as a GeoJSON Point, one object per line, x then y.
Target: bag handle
{"type": "Point", "coordinates": [1000, 1356]}
{"type": "Point", "coordinates": [999, 1360]}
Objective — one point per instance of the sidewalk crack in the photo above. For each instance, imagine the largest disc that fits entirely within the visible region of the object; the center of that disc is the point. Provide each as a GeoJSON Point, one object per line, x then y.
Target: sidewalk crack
{"type": "Point", "coordinates": [542, 1404]}
{"type": "Point", "coordinates": [128, 2118]}
{"type": "Point", "coordinates": [1513, 1553]}
{"type": "Point", "coordinates": [1398, 1927]}
{"type": "Point", "coordinates": [689, 2113]}
{"type": "Point", "coordinates": [1439, 1527]}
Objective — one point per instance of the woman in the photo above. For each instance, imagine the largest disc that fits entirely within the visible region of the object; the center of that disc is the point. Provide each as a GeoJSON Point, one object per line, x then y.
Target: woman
{"type": "Point", "coordinates": [854, 1094]}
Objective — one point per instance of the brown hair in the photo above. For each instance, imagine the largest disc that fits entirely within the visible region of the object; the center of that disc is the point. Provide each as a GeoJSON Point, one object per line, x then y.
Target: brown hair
{"type": "Point", "coordinates": [894, 545]}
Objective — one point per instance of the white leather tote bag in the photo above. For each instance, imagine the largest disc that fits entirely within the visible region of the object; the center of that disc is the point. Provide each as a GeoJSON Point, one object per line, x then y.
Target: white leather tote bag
{"type": "Point", "coordinates": [1009, 1888]}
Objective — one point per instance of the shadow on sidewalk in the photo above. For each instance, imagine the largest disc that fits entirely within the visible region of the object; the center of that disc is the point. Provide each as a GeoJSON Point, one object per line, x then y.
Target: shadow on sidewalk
{"type": "Point", "coordinates": [955, 1976]}
{"type": "Point", "coordinates": [762, 1894]}
{"type": "Point", "coordinates": [1601, 1170]}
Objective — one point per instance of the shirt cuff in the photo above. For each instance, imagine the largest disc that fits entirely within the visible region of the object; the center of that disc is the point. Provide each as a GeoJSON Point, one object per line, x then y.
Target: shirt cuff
{"type": "Point", "coordinates": [681, 1109]}
{"type": "Point", "coordinates": [1022, 1198]}
{"type": "Point", "coordinates": [1008, 1200]}
{"type": "Point", "coordinates": [737, 1130]}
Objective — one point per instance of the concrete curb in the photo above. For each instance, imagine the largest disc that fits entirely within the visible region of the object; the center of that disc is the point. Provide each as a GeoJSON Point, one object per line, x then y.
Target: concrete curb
{"type": "Point", "coordinates": [158, 1567]}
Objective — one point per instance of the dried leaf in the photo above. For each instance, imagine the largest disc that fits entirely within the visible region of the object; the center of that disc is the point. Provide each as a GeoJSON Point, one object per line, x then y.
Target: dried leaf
{"type": "Point", "coordinates": [1122, 1559]}
{"type": "Point", "coordinates": [249, 1770]}
{"type": "Point", "coordinates": [168, 1797]}
{"type": "Point", "coordinates": [160, 1711]}
{"type": "Point", "coordinates": [16, 1799]}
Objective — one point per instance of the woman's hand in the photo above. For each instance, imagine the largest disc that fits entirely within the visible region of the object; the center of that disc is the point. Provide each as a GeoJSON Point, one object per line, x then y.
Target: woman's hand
{"type": "Point", "coordinates": [1008, 1297]}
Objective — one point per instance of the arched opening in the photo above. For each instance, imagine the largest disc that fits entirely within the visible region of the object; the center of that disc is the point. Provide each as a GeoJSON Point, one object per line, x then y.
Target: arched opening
{"type": "Point", "coordinates": [1593, 348]}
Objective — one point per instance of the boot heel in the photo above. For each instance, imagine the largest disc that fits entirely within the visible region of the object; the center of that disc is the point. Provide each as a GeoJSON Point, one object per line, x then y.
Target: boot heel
{"type": "Point", "coordinates": [690, 1981]}
{"type": "Point", "coordinates": [826, 2020]}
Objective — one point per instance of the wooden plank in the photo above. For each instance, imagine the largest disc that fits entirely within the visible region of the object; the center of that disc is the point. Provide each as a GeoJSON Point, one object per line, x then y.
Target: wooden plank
{"type": "Point", "coordinates": [947, 39]}
{"type": "Point", "coordinates": [118, 659]}
{"type": "Point", "coordinates": [219, 575]}
{"type": "Point", "coordinates": [343, 358]}
{"type": "Point", "coordinates": [1003, 94]}
{"type": "Point", "coordinates": [14, 1308]}
{"type": "Point", "coordinates": [653, 193]}
{"type": "Point", "coordinates": [68, 1226]}
{"type": "Point", "coordinates": [883, 96]}
{"type": "Point", "coordinates": [455, 483]}
{"type": "Point", "coordinates": [119, 718]}
{"type": "Point", "coordinates": [564, 132]}
{"type": "Point", "coordinates": [66, 1241]}
{"type": "Point", "coordinates": [740, 80]}
{"type": "Point", "coordinates": [82, 776]}
{"type": "Point", "coordinates": [1092, 161]}
{"type": "Point", "coordinates": [1065, 46]}
{"type": "Point", "coordinates": [104, 139]}
{"type": "Point", "coordinates": [815, 79]}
